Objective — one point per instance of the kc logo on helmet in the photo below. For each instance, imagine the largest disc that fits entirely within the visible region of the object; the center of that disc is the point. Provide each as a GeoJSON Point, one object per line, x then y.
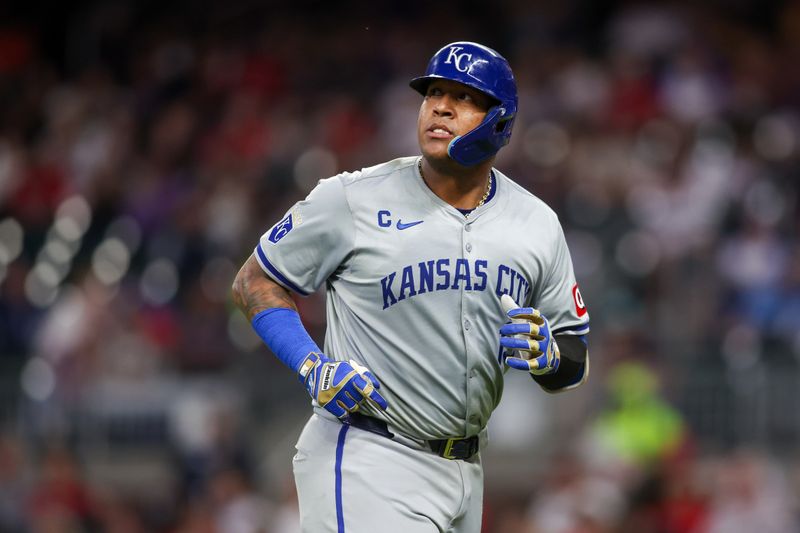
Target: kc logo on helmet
{"type": "Point", "coordinates": [462, 61]}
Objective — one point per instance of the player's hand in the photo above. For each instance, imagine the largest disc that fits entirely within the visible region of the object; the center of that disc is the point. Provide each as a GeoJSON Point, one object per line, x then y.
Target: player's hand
{"type": "Point", "coordinates": [528, 336]}
{"type": "Point", "coordinates": [339, 386]}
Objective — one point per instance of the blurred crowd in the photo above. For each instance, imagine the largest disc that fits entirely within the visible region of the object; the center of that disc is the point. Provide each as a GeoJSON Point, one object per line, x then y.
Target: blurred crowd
{"type": "Point", "coordinates": [144, 148]}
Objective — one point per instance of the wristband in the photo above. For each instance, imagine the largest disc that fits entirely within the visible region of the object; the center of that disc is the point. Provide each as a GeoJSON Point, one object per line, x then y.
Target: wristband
{"type": "Point", "coordinates": [283, 332]}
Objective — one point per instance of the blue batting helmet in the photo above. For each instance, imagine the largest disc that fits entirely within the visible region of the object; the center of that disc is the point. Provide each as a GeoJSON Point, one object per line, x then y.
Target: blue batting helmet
{"type": "Point", "coordinates": [481, 68]}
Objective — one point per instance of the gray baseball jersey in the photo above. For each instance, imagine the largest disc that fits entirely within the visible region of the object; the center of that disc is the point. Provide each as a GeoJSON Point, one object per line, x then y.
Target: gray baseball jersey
{"type": "Point", "coordinates": [413, 286]}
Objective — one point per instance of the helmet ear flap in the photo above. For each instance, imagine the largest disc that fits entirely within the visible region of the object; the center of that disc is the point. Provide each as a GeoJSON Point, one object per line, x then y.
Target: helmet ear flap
{"type": "Point", "coordinates": [484, 141]}
{"type": "Point", "coordinates": [502, 125]}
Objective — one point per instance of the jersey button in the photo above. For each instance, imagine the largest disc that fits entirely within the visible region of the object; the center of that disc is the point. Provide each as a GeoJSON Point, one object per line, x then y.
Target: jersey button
{"type": "Point", "coordinates": [475, 419]}
{"type": "Point", "coordinates": [467, 325]}
{"type": "Point", "coordinates": [469, 247]}
{"type": "Point", "coordinates": [468, 228]}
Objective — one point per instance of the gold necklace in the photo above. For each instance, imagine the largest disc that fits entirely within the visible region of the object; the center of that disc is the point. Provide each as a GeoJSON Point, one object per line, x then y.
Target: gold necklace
{"type": "Point", "coordinates": [485, 193]}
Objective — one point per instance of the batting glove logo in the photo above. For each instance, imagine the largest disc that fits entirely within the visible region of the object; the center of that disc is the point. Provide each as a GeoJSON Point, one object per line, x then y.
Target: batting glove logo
{"type": "Point", "coordinates": [326, 377]}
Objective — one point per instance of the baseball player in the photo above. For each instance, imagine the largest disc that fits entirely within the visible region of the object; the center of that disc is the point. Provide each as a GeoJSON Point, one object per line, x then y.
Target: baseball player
{"type": "Point", "coordinates": [441, 274]}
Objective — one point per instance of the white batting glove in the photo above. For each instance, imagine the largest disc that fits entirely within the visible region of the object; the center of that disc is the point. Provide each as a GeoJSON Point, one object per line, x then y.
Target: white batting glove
{"type": "Point", "coordinates": [528, 335]}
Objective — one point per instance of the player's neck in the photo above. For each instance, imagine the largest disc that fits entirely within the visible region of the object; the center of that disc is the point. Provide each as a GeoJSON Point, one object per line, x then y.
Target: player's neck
{"type": "Point", "coordinates": [461, 187]}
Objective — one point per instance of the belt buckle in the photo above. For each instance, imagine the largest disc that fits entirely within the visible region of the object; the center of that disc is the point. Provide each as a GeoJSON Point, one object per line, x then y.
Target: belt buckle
{"type": "Point", "coordinates": [447, 453]}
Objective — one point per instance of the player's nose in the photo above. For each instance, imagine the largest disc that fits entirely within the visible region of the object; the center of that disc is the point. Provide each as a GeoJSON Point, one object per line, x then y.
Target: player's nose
{"type": "Point", "coordinates": [443, 105]}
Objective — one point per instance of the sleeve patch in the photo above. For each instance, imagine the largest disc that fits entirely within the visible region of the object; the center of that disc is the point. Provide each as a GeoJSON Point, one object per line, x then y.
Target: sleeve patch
{"type": "Point", "coordinates": [281, 229]}
{"type": "Point", "coordinates": [580, 307]}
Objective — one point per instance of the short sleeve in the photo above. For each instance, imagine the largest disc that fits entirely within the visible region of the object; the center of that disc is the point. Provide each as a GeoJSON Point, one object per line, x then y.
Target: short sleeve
{"type": "Point", "coordinates": [310, 242]}
{"type": "Point", "coordinates": [560, 298]}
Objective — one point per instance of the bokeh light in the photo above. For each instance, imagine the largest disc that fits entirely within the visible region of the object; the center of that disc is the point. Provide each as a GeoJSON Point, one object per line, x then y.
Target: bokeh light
{"type": "Point", "coordinates": [241, 333]}
{"type": "Point", "coordinates": [110, 260]}
{"type": "Point", "coordinates": [216, 278]}
{"type": "Point", "coordinates": [73, 218]}
{"type": "Point", "coordinates": [38, 380]}
{"type": "Point", "coordinates": [159, 282]}
{"type": "Point", "coordinates": [775, 137]}
{"type": "Point", "coordinates": [638, 253]}
{"type": "Point", "coordinates": [546, 143]}
{"type": "Point", "coordinates": [41, 284]}
{"type": "Point", "coordinates": [312, 164]}
{"type": "Point", "coordinates": [11, 235]}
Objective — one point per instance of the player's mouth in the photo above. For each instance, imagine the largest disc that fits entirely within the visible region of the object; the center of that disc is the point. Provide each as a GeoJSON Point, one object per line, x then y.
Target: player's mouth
{"type": "Point", "coordinates": [438, 131]}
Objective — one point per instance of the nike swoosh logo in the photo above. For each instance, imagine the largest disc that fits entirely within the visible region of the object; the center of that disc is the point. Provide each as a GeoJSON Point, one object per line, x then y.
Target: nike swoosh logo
{"type": "Point", "coordinates": [401, 226]}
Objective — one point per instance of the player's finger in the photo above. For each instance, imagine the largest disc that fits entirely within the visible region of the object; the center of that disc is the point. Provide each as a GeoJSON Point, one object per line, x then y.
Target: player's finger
{"type": "Point", "coordinates": [508, 303]}
{"type": "Point", "coordinates": [540, 365]}
{"type": "Point", "coordinates": [362, 385]}
{"type": "Point", "coordinates": [378, 400]}
{"type": "Point", "coordinates": [526, 313]}
{"type": "Point", "coordinates": [373, 379]}
{"type": "Point", "coordinates": [520, 344]}
{"type": "Point", "coordinates": [521, 312]}
{"type": "Point", "coordinates": [514, 344]}
{"type": "Point", "coordinates": [347, 410]}
{"type": "Point", "coordinates": [538, 362]}
{"type": "Point", "coordinates": [370, 393]}
{"type": "Point", "coordinates": [348, 402]}
{"type": "Point", "coordinates": [365, 373]}
{"type": "Point", "coordinates": [518, 364]}
{"type": "Point", "coordinates": [544, 328]}
{"type": "Point", "coordinates": [337, 409]}
{"type": "Point", "coordinates": [521, 328]}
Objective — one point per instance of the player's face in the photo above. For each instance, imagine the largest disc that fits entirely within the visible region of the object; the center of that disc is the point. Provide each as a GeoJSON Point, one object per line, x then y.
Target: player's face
{"type": "Point", "coordinates": [449, 109]}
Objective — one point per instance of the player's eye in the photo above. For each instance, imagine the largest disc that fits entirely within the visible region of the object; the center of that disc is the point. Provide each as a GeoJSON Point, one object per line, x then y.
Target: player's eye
{"type": "Point", "coordinates": [434, 91]}
{"type": "Point", "coordinates": [465, 97]}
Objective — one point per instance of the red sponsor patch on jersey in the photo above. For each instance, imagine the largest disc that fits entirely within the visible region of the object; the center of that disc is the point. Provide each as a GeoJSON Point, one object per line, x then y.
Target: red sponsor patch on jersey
{"type": "Point", "coordinates": [580, 307]}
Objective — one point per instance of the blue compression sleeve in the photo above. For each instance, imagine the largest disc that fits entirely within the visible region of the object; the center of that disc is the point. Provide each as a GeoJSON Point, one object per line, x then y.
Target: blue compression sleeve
{"type": "Point", "coordinates": [282, 330]}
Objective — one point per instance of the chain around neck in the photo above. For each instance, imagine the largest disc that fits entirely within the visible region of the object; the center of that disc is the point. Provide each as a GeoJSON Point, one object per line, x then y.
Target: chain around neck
{"type": "Point", "coordinates": [485, 193]}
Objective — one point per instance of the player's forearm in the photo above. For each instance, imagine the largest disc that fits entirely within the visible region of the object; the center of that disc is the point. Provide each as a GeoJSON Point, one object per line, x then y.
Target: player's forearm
{"type": "Point", "coordinates": [254, 292]}
{"type": "Point", "coordinates": [273, 315]}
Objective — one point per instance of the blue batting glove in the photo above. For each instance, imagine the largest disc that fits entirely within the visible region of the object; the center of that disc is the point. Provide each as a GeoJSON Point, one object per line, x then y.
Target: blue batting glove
{"type": "Point", "coordinates": [529, 336]}
{"type": "Point", "coordinates": [339, 386]}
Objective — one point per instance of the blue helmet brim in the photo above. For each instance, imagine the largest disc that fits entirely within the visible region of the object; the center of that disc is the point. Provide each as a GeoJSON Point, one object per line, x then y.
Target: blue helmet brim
{"type": "Point", "coordinates": [421, 83]}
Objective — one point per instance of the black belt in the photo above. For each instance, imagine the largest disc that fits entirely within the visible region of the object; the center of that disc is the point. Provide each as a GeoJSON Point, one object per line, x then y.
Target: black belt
{"type": "Point", "coordinates": [447, 448]}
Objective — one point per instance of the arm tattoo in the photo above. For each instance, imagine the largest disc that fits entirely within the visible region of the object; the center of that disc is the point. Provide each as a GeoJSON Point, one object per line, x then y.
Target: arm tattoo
{"type": "Point", "coordinates": [254, 292]}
